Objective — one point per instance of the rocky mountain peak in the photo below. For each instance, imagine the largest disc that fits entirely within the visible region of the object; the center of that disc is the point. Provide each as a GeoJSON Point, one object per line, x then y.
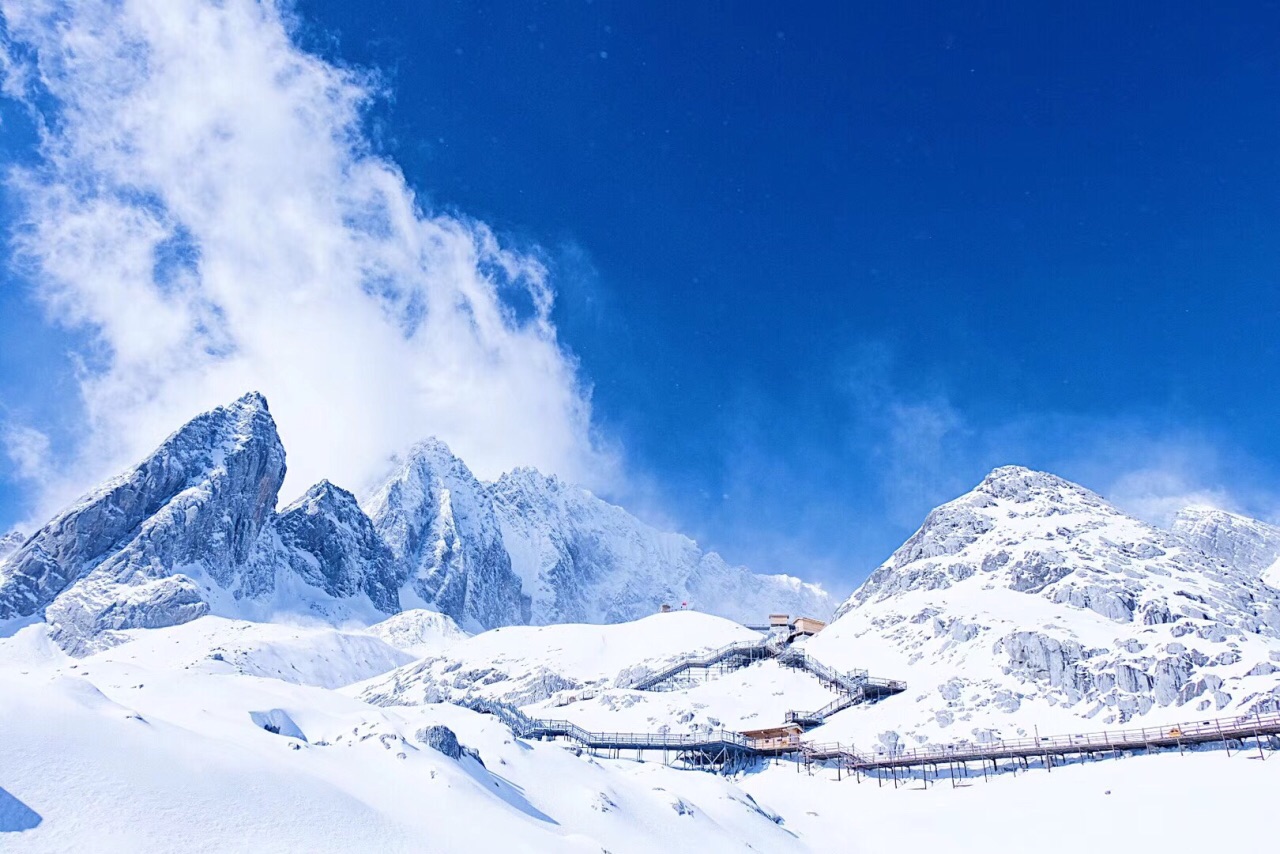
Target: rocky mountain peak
{"type": "Point", "coordinates": [328, 542]}
{"type": "Point", "coordinates": [1033, 532]}
{"type": "Point", "coordinates": [585, 560]}
{"type": "Point", "coordinates": [1084, 606]}
{"type": "Point", "coordinates": [439, 522]}
{"type": "Point", "coordinates": [198, 502]}
{"type": "Point", "coordinates": [194, 529]}
{"type": "Point", "coordinates": [325, 495]}
{"type": "Point", "coordinates": [1039, 492]}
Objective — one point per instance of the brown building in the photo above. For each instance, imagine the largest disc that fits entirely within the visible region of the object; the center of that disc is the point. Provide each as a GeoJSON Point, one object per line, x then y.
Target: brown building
{"type": "Point", "coordinates": [785, 737]}
{"type": "Point", "coordinates": [807, 626]}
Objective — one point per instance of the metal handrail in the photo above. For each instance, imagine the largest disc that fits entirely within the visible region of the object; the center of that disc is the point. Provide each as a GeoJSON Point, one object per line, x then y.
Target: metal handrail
{"type": "Point", "coordinates": [854, 684]}
{"type": "Point", "coordinates": [525, 727]}
{"type": "Point", "coordinates": [1218, 729]}
{"type": "Point", "coordinates": [706, 659]}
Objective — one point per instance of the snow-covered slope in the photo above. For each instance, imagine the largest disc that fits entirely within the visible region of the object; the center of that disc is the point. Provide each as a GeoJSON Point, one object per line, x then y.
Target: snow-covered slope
{"type": "Point", "coordinates": [140, 752]}
{"type": "Point", "coordinates": [1247, 544]}
{"type": "Point", "coordinates": [582, 559]}
{"type": "Point", "coordinates": [527, 664]}
{"type": "Point", "coordinates": [115, 753]}
{"type": "Point", "coordinates": [302, 654]}
{"type": "Point", "coordinates": [419, 632]}
{"type": "Point", "coordinates": [1032, 601]}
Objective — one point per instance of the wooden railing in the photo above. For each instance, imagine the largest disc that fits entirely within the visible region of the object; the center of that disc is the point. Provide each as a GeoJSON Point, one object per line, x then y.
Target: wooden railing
{"type": "Point", "coordinates": [1172, 735]}
{"type": "Point", "coordinates": [1214, 730]}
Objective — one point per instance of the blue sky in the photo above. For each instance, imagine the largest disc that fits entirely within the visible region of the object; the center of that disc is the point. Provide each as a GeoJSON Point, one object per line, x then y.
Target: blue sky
{"type": "Point", "coordinates": [823, 267]}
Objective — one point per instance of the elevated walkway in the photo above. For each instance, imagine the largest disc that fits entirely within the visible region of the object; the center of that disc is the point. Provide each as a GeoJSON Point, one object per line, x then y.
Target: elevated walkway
{"type": "Point", "coordinates": [720, 748]}
{"type": "Point", "coordinates": [1180, 735]}
{"type": "Point", "coordinates": [724, 750]}
{"type": "Point", "coordinates": [854, 687]}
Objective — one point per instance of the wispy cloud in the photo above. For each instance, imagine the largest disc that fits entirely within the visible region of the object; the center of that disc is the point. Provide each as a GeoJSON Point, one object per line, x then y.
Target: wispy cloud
{"type": "Point", "coordinates": [914, 439]}
{"type": "Point", "coordinates": [923, 448]}
{"type": "Point", "coordinates": [208, 210]}
{"type": "Point", "coordinates": [29, 451]}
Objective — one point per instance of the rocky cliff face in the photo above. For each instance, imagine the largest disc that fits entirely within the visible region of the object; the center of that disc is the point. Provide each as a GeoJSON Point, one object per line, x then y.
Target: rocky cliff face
{"type": "Point", "coordinates": [1033, 592]}
{"type": "Point", "coordinates": [193, 530]}
{"type": "Point", "coordinates": [440, 524]}
{"type": "Point", "coordinates": [585, 560]}
{"type": "Point", "coordinates": [326, 540]}
{"type": "Point", "coordinates": [129, 555]}
{"type": "Point", "coordinates": [1246, 544]}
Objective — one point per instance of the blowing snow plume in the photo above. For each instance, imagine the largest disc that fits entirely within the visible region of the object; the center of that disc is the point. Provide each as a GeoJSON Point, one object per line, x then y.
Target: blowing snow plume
{"type": "Point", "coordinates": [205, 208]}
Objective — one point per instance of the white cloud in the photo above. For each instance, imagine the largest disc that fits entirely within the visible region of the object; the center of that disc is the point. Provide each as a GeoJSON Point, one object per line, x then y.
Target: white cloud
{"type": "Point", "coordinates": [28, 450]}
{"type": "Point", "coordinates": [208, 209]}
{"type": "Point", "coordinates": [1157, 495]}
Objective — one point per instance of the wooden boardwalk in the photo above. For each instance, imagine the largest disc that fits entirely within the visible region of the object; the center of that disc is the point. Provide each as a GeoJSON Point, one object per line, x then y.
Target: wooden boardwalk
{"type": "Point", "coordinates": [727, 750]}
{"type": "Point", "coordinates": [1180, 735]}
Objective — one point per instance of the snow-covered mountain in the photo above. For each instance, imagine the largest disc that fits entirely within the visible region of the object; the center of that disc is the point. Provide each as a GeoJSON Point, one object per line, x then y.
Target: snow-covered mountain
{"type": "Point", "coordinates": [587, 561]}
{"type": "Point", "coordinates": [1033, 600]}
{"type": "Point", "coordinates": [1028, 604]}
{"type": "Point", "coordinates": [440, 524]}
{"type": "Point", "coordinates": [1247, 544]}
{"type": "Point", "coordinates": [143, 550]}
{"type": "Point", "coordinates": [193, 529]}
{"type": "Point", "coordinates": [322, 553]}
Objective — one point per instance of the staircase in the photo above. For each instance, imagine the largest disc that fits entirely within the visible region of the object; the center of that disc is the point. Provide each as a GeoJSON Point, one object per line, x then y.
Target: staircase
{"type": "Point", "coordinates": [732, 656]}
{"type": "Point", "coordinates": [854, 686]}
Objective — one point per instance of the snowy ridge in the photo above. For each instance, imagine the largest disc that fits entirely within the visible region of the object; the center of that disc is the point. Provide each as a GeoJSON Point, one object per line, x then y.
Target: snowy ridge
{"type": "Point", "coordinates": [520, 665]}
{"type": "Point", "coordinates": [585, 560]}
{"type": "Point", "coordinates": [419, 632]}
{"type": "Point", "coordinates": [1247, 544]}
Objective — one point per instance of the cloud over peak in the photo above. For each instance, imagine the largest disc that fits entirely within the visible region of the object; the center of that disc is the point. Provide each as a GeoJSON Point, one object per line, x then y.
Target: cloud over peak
{"type": "Point", "coordinates": [206, 208]}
